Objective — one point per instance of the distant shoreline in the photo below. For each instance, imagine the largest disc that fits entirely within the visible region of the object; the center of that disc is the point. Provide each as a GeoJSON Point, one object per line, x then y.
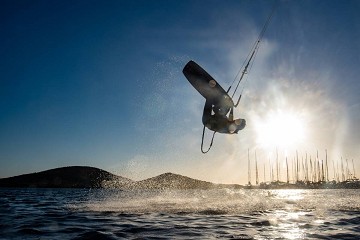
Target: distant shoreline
{"type": "Point", "coordinates": [90, 177]}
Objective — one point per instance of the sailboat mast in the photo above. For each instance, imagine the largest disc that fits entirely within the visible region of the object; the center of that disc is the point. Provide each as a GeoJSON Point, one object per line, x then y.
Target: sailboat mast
{"type": "Point", "coordinates": [249, 172]}
{"type": "Point", "coordinates": [297, 167]}
{"type": "Point", "coordinates": [322, 171]}
{"type": "Point", "coordinates": [318, 179]}
{"type": "Point", "coordinates": [287, 171]}
{"type": "Point", "coordinates": [293, 170]}
{"type": "Point", "coordinates": [353, 168]}
{"type": "Point", "coordinates": [271, 171]}
{"type": "Point", "coordinates": [264, 174]}
{"type": "Point", "coordinates": [256, 171]}
{"type": "Point", "coordinates": [311, 170]}
{"type": "Point", "coordinates": [334, 170]}
{"type": "Point", "coordinates": [327, 167]}
{"type": "Point", "coordinates": [342, 170]}
{"type": "Point", "coordinates": [306, 169]}
{"type": "Point", "coordinates": [277, 165]}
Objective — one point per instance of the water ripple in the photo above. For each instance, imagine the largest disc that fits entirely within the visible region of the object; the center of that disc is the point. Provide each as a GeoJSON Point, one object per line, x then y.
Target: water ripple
{"type": "Point", "coordinates": [214, 214]}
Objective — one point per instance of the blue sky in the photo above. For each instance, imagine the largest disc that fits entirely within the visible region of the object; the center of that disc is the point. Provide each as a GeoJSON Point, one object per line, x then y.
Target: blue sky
{"type": "Point", "coordinates": [99, 83]}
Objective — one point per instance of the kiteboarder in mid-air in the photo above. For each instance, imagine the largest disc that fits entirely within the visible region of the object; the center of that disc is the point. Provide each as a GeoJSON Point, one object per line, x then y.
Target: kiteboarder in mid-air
{"type": "Point", "coordinates": [218, 114]}
{"type": "Point", "coordinates": [219, 107]}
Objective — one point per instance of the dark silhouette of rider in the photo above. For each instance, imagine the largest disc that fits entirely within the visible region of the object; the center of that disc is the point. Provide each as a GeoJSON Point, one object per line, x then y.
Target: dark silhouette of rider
{"type": "Point", "coordinates": [219, 121]}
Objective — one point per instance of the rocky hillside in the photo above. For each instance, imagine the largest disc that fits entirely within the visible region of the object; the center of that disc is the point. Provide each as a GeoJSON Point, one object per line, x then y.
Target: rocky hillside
{"type": "Point", "coordinates": [65, 177]}
{"type": "Point", "coordinates": [173, 181]}
{"type": "Point", "coordinates": [90, 177]}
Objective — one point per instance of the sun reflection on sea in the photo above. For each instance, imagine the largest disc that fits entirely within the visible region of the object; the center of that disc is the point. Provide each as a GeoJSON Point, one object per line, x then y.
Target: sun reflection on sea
{"type": "Point", "coordinates": [290, 194]}
{"type": "Point", "coordinates": [286, 222]}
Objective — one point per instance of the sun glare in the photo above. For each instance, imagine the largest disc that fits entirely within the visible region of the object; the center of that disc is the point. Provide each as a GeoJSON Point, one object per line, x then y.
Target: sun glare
{"type": "Point", "coordinates": [282, 129]}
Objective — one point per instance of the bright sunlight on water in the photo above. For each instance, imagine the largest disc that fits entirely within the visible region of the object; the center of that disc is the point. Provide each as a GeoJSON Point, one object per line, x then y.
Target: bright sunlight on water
{"type": "Point", "coordinates": [176, 214]}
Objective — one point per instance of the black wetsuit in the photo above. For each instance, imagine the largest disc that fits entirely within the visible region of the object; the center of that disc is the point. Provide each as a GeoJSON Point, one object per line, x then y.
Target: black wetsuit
{"type": "Point", "coordinates": [218, 121]}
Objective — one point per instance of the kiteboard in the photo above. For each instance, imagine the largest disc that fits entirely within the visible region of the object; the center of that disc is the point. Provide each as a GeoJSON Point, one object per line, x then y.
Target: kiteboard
{"type": "Point", "coordinates": [207, 86]}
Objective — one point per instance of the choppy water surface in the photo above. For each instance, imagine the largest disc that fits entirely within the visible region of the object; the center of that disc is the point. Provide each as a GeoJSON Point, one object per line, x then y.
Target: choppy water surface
{"type": "Point", "coordinates": [195, 214]}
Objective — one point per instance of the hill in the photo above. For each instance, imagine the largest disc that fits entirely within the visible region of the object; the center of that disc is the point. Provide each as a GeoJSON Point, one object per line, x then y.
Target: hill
{"type": "Point", "coordinates": [90, 177]}
{"type": "Point", "coordinates": [66, 177]}
{"type": "Point", "coordinates": [173, 181]}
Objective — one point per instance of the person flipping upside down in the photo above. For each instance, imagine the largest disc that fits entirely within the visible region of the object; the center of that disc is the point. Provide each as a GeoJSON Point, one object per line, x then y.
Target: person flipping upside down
{"type": "Point", "coordinates": [219, 121]}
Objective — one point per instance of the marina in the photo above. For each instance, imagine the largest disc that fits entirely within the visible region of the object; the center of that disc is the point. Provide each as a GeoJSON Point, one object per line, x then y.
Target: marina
{"type": "Point", "coordinates": [301, 172]}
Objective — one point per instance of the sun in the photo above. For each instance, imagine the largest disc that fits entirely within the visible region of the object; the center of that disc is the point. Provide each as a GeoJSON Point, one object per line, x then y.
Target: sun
{"type": "Point", "coordinates": [280, 129]}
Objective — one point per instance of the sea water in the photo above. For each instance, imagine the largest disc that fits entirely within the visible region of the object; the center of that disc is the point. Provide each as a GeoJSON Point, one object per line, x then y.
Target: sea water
{"type": "Point", "coordinates": [179, 214]}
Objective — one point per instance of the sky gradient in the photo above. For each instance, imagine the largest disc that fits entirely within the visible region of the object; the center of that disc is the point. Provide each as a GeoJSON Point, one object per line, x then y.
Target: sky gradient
{"type": "Point", "coordinates": [100, 83]}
